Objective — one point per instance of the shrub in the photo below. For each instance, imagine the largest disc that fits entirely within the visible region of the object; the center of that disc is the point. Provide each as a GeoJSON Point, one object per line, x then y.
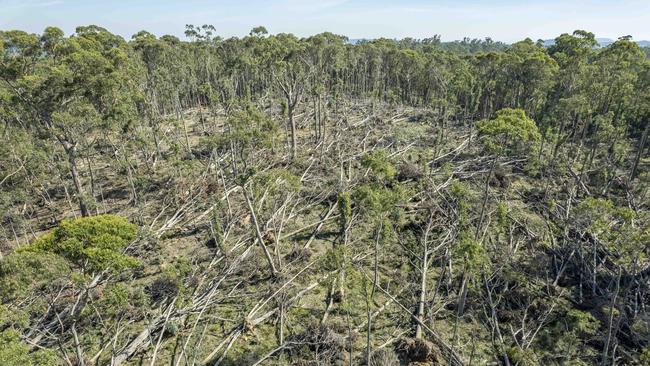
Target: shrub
{"type": "Point", "coordinates": [92, 244]}
{"type": "Point", "coordinates": [379, 162]}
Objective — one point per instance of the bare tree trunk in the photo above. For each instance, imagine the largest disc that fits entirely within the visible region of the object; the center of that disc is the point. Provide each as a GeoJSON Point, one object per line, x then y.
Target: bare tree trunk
{"type": "Point", "coordinates": [80, 354]}
{"type": "Point", "coordinates": [71, 150]}
{"type": "Point", "coordinates": [376, 269]}
{"type": "Point", "coordinates": [292, 125]}
{"type": "Point", "coordinates": [423, 289]}
{"type": "Point", "coordinates": [186, 135]}
{"type": "Point", "coordinates": [423, 279]}
{"type": "Point", "coordinates": [258, 233]}
{"type": "Point", "coordinates": [369, 335]}
{"type": "Point", "coordinates": [485, 198]}
{"type": "Point", "coordinates": [639, 151]}
{"type": "Point", "coordinates": [611, 320]}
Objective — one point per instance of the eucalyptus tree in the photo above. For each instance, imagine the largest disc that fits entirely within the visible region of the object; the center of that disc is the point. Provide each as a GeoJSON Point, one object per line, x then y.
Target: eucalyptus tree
{"type": "Point", "coordinates": [569, 105]}
{"type": "Point", "coordinates": [151, 51]}
{"type": "Point", "coordinates": [530, 75]}
{"type": "Point", "coordinates": [154, 54]}
{"type": "Point", "coordinates": [249, 134]}
{"type": "Point", "coordinates": [68, 88]}
{"type": "Point", "coordinates": [75, 257]}
{"type": "Point", "coordinates": [616, 68]}
{"type": "Point", "coordinates": [436, 81]}
{"type": "Point", "coordinates": [411, 72]}
{"type": "Point", "coordinates": [488, 69]}
{"type": "Point", "coordinates": [285, 58]}
{"type": "Point", "coordinates": [613, 96]}
{"type": "Point", "coordinates": [324, 55]}
{"type": "Point", "coordinates": [206, 59]}
{"type": "Point", "coordinates": [378, 203]}
{"type": "Point", "coordinates": [572, 52]}
{"type": "Point", "coordinates": [247, 72]}
{"type": "Point", "coordinates": [510, 132]}
{"type": "Point", "coordinates": [26, 167]}
{"type": "Point", "coordinates": [641, 116]}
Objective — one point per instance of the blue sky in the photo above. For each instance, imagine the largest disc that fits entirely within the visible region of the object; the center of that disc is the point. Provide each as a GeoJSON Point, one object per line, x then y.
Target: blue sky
{"type": "Point", "coordinates": [504, 20]}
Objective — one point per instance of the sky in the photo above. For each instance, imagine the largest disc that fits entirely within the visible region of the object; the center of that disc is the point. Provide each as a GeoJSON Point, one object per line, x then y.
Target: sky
{"type": "Point", "coordinates": [502, 20]}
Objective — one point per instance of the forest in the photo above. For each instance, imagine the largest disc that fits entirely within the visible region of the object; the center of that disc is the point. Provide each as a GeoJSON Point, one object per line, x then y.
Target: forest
{"type": "Point", "coordinates": [276, 200]}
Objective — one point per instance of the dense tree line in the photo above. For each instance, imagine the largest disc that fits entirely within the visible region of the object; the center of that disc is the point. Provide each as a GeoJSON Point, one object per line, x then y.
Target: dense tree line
{"type": "Point", "coordinates": [456, 202]}
{"type": "Point", "coordinates": [572, 89]}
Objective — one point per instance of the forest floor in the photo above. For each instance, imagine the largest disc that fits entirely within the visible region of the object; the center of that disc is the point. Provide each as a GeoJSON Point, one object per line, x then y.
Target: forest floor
{"type": "Point", "coordinates": [253, 318]}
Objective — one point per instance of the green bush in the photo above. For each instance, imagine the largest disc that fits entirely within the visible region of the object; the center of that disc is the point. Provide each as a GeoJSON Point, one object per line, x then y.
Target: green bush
{"type": "Point", "coordinates": [13, 352]}
{"type": "Point", "coordinates": [22, 271]}
{"type": "Point", "coordinates": [92, 244]}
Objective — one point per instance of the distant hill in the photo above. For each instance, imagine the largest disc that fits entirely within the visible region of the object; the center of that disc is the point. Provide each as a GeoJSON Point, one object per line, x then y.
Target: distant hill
{"type": "Point", "coordinates": [464, 46]}
{"type": "Point", "coordinates": [356, 40]}
{"type": "Point", "coordinates": [602, 42]}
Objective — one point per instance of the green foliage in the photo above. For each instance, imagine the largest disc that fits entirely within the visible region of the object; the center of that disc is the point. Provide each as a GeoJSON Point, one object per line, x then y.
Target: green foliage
{"type": "Point", "coordinates": [470, 251]}
{"type": "Point", "coordinates": [93, 244]}
{"type": "Point", "coordinates": [461, 195]}
{"type": "Point", "coordinates": [259, 31]}
{"type": "Point", "coordinates": [14, 318]}
{"type": "Point", "coordinates": [379, 163]}
{"type": "Point", "coordinates": [569, 335]}
{"type": "Point", "coordinates": [13, 352]}
{"type": "Point", "coordinates": [582, 323]}
{"type": "Point", "coordinates": [532, 72]}
{"type": "Point", "coordinates": [68, 88]}
{"type": "Point", "coordinates": [510, 131]}
{"type": "Point", "coordinates": [276, 181]}
{"type": "Point", "coordinates": [120, 300]}
{"type": "Point", "coordinates": [377, 201]}
{"type": "Point", "coordinates": [335, 258]}
{"type": "Point", "coordinates": [645, 356]}
{"type": "Point", "coordinates": [28, 158]}
{"type": "Point", "coordinates": [344, 205]}
{"type": "Point", "coordinates": [620, 228]}
{"type": "Point", "coordinates": [459, 189]}
{"type": "Point", "coordinates": [522, 357]}
{"type": "Point", "coordinates": [248, 130]}
{"type": "Point", "coordinates": [502, 214]}
{"type": "Point", "coordinates": [22, 271]}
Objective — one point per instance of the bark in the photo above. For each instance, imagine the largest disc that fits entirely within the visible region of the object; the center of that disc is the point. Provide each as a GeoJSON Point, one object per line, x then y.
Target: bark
{"type": "Point", "coordinates": [80, 354]}
{"type": "Point", "coordinates": [611, 320]}
{"type": "Point", "coordinates": [369, 331]}
{"type": "Point", "coordinates": [639, 152]}
{"type": "Point", "coordinates": [485, 198]}
{"type": "Point", "coordinates": [423, 280]}
{"type": "Point", "coordinates": [71, 150]}
{"type": "Point", "coordinates": [292, 124]}
{"type": "Point", "coordinates": [423, 288]}
{"type": "Point", "coordinates": [259, 235]}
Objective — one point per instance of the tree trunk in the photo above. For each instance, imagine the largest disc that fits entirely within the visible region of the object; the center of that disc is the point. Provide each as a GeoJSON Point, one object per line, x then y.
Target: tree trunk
{"type": "Point", "coordinates": [71, 150]}
{"type": "Point", "coordinates": [369, 335]}
{"type": "Point", "coordinates": [485, 198]}
{"type": "Point", "coordinates": [610, 321]}
{"type": "Point", "coordinates": [376, 269]}
{"type": "Point", "coordinates": [259, 235]}
{"type": "Point", "coordinates": [423, 289]}
{"type": "Point", "coordinates": [639, 151]}
{"type": "Point", "coordinates": [292, 125]}
{"type": "Point", "coordinates": [187, 137]}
